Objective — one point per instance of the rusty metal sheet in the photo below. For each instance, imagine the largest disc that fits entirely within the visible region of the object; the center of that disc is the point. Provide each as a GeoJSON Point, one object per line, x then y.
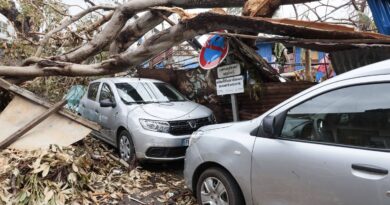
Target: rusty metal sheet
{"type": "Point", "coordinates": [54, 130]}
{"type": "Point", "coordinates": [344, 61]}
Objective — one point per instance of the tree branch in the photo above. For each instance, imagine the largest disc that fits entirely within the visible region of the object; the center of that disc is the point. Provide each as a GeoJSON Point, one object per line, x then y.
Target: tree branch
{"type": "Point", "coordinates": [104, 19]}
{"type": "Point", "coordinates": [133, 31]}
{"type": "Point", "coordinates": [65, 23]}
{"type": "Point", "coordinates": [125, 12]}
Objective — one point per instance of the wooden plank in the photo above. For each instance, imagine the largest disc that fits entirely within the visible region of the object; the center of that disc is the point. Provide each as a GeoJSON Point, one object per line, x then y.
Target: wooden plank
{"type": "Point", "coordinates": [32, 97]}
{"type": "Point", "coordinates": [15, 136]}
{"type": "Point", "coordinates": [56, 129]}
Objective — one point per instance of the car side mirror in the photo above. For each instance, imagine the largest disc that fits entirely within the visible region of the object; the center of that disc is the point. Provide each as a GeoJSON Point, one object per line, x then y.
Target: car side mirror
{"type": "Point", "coordinates": [107, 103]}
{"type": "Point", "coordinates": [272, 125]}
{"type": "Point", "coordinates": [269, 126]}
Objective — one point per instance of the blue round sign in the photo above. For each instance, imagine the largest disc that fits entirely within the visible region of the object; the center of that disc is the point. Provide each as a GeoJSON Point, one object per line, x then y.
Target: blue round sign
{"type": "Point", "coordinates": [213, 52]}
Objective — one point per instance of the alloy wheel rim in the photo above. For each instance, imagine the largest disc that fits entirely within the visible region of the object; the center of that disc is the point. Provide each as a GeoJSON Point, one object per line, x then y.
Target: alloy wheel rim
{"type": "Point", "coordinates": [213, 192]}
{"type": "Point", "coordinates": [124, 148]}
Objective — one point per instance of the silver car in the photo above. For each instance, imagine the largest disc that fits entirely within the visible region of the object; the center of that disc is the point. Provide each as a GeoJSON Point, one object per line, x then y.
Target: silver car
{"type": "Point", "coordinates": [327, 145]}
{"type": "Point", "coordinates": [145, 119]}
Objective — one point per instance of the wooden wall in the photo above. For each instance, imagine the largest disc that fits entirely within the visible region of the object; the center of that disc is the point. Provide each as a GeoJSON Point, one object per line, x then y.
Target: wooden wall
{"type": "Point", "coordinates": [270, 94]}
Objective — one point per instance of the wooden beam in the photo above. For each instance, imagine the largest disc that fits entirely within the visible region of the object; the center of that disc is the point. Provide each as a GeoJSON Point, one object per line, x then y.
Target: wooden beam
{"type": "Point", "coordinates": [308, 73]}
{"type": "Point", "coordinates": [11, 139]}
{"type": "Point", "coordinates": [32, 97]}
{"type": "Point", "coordinates": [265, 67]}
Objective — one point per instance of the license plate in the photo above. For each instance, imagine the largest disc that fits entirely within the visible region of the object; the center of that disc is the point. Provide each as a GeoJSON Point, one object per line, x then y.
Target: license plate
{"type": "Point", "coordinates": [186, 142]}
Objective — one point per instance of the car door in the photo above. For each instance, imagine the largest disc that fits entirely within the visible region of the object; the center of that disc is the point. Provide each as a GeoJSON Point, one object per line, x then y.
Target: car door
{"type": "Point", "coordinates": [108, 115]}
{"type": "Point", "coordinates": [333, 149]}
{"type": "Point", "coordinates": [89, 103]}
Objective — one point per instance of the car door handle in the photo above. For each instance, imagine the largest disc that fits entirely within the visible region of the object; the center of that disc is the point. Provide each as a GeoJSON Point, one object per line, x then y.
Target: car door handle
{"type": "Point", "coordinates": [370, 168]}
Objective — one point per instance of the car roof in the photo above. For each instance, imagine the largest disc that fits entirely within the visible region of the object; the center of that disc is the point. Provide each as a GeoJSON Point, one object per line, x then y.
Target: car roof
{"type": "Point", "coordinates": [126, 80]}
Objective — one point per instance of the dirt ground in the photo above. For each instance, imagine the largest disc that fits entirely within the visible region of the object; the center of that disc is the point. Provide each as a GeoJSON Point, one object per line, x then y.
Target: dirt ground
{"type": "Point", "coordinates": [167, 174]}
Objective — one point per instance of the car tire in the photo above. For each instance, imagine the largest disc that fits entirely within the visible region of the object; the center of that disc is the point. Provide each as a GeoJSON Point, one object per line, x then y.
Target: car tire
{"type": "Point", "coordinates": [126, 147]}
{"type": "Point", "coordinates": [230, 193]}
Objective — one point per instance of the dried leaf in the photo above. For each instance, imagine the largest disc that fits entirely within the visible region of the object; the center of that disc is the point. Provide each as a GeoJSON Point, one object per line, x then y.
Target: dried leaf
{"type": "Point", "coordinates": [74, 167]}
{"type": "Point", "coordinates": [45, 171]}
{"type": "Point", "coordinates": [70, 175]}
{"type": "Point", "coordinates": [48, 196]}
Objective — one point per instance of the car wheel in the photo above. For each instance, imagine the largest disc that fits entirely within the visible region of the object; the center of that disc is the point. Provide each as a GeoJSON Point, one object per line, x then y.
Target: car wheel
{"type": "Point", "coordinates": [126, 147]}
{"type": "Point", "coordinates": [217, 187]}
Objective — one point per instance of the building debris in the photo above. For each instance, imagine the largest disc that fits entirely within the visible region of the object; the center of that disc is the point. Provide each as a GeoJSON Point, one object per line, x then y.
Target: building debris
{"type": "Point", "coordinates": [23, 130]}
{"type": "Point", "coordinates": [19, 121]}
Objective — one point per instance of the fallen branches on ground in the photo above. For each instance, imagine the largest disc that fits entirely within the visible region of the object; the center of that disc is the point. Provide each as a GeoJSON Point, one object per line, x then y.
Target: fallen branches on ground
{"type": "Point", "coordinates": [83, 174]}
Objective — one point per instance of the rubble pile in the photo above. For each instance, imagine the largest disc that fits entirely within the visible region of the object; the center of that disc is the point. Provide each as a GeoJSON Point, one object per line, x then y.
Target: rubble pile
{"type": "Point", "coordinates": [86, 173]}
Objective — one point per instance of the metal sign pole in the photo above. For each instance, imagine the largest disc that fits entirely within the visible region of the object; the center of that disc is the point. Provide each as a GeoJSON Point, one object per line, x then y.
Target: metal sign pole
{"type": "Point", "coordinates": [234, 107]}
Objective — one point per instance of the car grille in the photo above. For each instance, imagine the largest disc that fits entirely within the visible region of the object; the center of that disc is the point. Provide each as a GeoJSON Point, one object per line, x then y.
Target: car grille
{"type": "Point", "coordinates": [186, 127]}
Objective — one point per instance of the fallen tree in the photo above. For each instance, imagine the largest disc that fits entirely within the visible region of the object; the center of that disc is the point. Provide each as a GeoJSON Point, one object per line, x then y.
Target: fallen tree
{"type": "Point", "coordinates": [119, 33]}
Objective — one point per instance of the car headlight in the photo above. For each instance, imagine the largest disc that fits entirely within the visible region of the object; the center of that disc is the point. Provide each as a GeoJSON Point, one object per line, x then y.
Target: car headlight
{"type": "Point", "coordinates": [213, 119]}
{"type": "Point", "coordinates": [195, 137]}
{"type": "Point", "coordinates": [154, 125]}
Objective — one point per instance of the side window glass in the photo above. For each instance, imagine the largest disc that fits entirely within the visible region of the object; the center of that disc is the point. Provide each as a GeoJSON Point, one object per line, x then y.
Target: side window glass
{"type": "Point", "coordinates": [355, 116]}
{"type": "Point", "coordinates": [93, 90]}
{"type": "Point", "coordinates": [106, 93]}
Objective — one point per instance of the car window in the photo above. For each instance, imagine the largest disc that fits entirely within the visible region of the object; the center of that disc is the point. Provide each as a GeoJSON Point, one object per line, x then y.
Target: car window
{"type": "Point", "coordinates": [106, 93]}
{"type": "Point", "coordinates": [354, 116]}
{"type": "Point", "coordinates": [133, 92]}
{"type": "Point", "coordinates": [93, 90]}
{"type": "Point", "coordinates": [166, 93]}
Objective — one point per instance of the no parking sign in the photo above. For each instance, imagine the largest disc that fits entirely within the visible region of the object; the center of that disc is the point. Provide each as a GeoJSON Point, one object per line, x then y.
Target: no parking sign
{"type": "Point", "coordinates": [213, 52]}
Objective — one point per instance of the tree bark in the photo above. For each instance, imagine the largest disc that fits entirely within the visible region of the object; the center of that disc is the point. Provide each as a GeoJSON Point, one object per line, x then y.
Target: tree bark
{"type": "Point", "coordinates": [133, 31]}
{"type": "Point", "coordinates": [267, 8]}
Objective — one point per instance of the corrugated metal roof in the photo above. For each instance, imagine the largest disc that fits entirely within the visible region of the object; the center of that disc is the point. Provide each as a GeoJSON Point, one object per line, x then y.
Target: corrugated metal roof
{"type": "Point", "coordinates": [347, 60]}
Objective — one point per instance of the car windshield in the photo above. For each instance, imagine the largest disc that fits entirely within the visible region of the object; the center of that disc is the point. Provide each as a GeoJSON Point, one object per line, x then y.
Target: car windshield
{"type": "Point", "coordinates": [140, 92]}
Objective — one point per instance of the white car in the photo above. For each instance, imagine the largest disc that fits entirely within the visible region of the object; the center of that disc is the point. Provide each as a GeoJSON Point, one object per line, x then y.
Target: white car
{"type": "Point", "coordinates": [327, 145]}
{"type": "Point", "coordinates": [145, 119]}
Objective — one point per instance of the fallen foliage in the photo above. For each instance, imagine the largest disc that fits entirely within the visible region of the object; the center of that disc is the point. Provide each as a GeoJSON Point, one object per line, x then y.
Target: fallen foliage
{"type": "Point", "coordinates": [85, 173]}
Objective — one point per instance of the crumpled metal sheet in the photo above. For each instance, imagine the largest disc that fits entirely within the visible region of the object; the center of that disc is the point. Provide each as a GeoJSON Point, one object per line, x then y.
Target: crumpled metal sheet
{"type": "Point", "coordinates": [54, 130]}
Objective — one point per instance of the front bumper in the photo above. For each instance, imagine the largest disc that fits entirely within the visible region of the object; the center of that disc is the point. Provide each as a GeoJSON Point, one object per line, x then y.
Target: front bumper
{"type": "Point", "coordinates": [192, 161]}
{"type": "Point", "coordinates": [157, 146]}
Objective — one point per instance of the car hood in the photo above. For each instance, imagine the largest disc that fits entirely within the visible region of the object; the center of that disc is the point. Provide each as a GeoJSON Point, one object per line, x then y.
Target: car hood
{"type": "Point", "coordinates": [216, 126]}
{"type": "Point", "coordinates": [173, 111]}
{"type": "Point", "coordinates": [230, 129]}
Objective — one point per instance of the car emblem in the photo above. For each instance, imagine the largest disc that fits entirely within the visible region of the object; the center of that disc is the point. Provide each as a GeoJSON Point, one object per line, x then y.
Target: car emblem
{"type": "Point", "coordinates": [192, 124]}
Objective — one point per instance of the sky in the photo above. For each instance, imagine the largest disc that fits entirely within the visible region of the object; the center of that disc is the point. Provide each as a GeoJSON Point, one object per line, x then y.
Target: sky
{"type": "Point", "coordinates": [285, 11]}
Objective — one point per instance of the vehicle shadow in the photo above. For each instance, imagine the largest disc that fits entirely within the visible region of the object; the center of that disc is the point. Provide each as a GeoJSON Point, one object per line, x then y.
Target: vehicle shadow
{"type": "Point", "coordinates": [175, 167]}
